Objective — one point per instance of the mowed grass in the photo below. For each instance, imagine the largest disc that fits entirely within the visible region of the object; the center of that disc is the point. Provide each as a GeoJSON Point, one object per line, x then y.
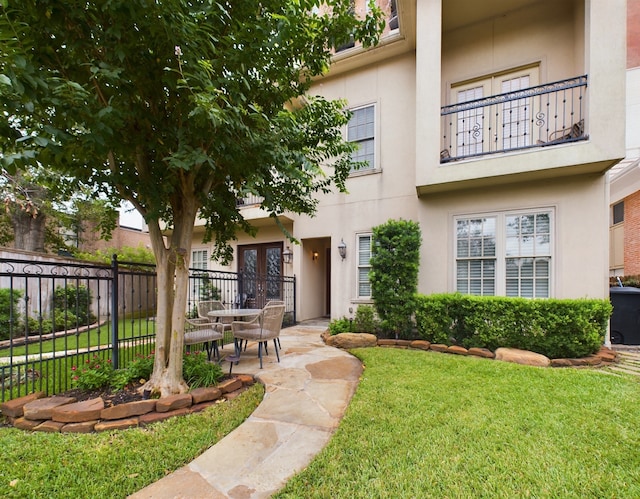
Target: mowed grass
{"type": "Point", "coordinates": [94, 336]}
{"type": "Point", "coordinates": [424, 424]}
{"type": "Point", "coordinates": [115, 464]}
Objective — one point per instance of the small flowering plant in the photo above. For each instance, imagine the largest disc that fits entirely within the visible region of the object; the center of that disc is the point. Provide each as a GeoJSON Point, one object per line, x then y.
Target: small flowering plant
{"type": "Point", "coordinates": [95, 373]}
{"type": "Point", "coordinates": [139, 369]}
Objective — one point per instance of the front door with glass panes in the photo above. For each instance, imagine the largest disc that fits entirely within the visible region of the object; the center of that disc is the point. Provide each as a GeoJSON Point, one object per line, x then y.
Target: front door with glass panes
{"type": "Point", "coordinates": [260, 266]}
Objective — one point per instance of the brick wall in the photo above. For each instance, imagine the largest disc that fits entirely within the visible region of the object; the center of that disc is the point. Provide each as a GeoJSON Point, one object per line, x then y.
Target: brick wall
{"type": "Point", "coordinates": [632, 234]}
{"type": "Point", "coordinates": [633, 33]}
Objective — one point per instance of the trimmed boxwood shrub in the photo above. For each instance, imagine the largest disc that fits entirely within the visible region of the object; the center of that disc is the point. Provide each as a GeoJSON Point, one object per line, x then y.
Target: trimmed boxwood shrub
{"type": "Point", "coordinates": [555, 328]}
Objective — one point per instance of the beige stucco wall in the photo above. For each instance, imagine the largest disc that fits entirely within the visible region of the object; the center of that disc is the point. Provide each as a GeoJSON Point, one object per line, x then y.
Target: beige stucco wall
{"type": "Point", "coordinates": [373, 198]}
{"type": "Point", "coordinates": [580, 250]}
{"type": "Point", "coordinates": [577, 39]}
{"type": "Point", "coordinates": [568, 38]}
{"type": "Point", "coordinates": [527, 36]}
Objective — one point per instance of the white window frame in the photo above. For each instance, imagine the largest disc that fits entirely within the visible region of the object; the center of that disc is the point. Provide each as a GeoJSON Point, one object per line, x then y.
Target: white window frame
{"type": "Point", "coordinates": [373, 165]}
{"type": "Point", "coordinates": [363, 266]}
{"type": "Point", "coordinates": [476, 133]}
{"type": "Point", "coordinates": [538, 257]}
{"type": "Point", "coordinates": [202, 263]}
{"type": "Point", "coordinates": [199, 263]}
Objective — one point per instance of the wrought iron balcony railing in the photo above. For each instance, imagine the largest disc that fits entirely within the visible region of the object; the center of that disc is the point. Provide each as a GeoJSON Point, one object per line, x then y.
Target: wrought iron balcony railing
{"type": "Point", "coordinates": [540, 116]}
{"type": "Point", "coordinates": [249, 200]}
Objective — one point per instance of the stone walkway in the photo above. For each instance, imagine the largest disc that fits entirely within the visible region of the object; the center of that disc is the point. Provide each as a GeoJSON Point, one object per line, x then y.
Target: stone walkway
{"type": "Point", "coordinates": [629, 360]}
{"type": "Point", "coordinates": [306, 395]}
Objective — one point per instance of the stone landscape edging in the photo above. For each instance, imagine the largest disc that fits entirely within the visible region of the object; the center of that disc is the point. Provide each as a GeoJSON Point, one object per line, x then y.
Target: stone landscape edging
{"type": "Point", "coordinates": [604, 356]}
{"type": "Point", "coordinates": [59, 414]}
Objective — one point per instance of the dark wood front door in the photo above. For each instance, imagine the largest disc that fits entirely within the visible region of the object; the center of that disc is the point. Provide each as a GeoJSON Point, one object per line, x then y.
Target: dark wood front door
{"type": "Point", "coordinates": [261, 269]}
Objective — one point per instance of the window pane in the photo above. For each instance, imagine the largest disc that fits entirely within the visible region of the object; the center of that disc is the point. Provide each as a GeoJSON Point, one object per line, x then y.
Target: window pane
{"type": "Point", "coordinates": [364, 259]}
{"type": "Point", "coordinates": [618, 212]}
{"type": "Point", "coordinates": [361, 129]}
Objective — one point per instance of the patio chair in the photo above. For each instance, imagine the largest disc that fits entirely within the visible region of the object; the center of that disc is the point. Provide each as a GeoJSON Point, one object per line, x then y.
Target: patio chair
{"type": "Point", "coordinates": [203, 330]}
{"type": "Point", "coordinates": [204, 307]}
{"type": "Point", "coordinates": [262, 328]}
{"type": "Point", "coordinates": [276, 302]}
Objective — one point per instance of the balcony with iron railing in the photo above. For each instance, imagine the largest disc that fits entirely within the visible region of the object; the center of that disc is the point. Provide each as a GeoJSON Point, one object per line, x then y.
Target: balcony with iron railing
{"type": "Point", "coordinates": [249, 200]}
{"type": "Point", "coordinates": [540, 116]}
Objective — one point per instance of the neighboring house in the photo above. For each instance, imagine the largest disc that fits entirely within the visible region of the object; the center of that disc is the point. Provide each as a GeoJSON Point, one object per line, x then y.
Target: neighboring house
{"type": "Point", "coordinates": [624, 256]}
{"type": "Point", "coordinates": [490, 123]}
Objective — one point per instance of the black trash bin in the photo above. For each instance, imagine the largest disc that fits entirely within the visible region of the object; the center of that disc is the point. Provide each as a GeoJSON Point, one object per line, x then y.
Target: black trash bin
{"type": "Point", "coordinates": [625, 319]}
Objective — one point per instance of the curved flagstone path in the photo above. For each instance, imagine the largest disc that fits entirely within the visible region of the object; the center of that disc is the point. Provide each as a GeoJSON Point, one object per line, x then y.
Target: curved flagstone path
{"type": "Point", "coordinates": [306, 395]}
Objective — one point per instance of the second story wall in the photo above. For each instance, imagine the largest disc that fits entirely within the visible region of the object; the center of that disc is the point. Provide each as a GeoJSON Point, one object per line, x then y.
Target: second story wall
{"type": "Point", "coordinates": [509, 47]}
{"type": "Point", "coordinates": [388, 87]}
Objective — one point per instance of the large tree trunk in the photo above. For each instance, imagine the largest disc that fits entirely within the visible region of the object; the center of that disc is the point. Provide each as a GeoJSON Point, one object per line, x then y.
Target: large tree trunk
{"type": "Point", "coordinates": [173, 286]}
{"type": "Point", "coordinates": [28, 231]}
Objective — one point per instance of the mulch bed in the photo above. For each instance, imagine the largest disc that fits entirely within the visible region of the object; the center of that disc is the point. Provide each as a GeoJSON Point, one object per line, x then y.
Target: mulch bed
{"type": "Point", "coordinates": [111, 396]}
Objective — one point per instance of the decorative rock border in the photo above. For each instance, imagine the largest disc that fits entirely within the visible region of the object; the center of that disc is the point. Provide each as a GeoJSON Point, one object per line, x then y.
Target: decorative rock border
{"type": "Point", "coordinates": [35, 412]}
{"type": "Point", "coordinates": [603, 357]}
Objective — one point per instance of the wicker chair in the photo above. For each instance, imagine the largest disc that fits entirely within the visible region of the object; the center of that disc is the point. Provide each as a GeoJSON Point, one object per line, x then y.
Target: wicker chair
{"type": "Point", "coordinates": [203, 330]}
{"type": "Point", "coordinates": [262, 328]}
{"type": "Point", "coordinates": [206, 306]}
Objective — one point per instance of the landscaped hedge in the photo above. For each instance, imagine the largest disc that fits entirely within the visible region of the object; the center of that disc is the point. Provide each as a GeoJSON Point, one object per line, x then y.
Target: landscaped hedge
{"type": "Point", "coordinates": [555, 328]}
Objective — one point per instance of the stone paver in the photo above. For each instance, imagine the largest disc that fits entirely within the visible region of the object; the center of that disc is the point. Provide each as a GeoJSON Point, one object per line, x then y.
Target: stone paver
{"type": "Point", "coordinates": [306, 395]}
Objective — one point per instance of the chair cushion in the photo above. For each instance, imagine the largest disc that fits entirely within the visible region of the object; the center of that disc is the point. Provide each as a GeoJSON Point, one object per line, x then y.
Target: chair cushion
{"type": "Point", "coordinates": [202, 335]}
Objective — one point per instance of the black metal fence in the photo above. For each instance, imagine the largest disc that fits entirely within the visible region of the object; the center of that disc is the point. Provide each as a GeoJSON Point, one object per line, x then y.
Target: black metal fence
{"type": "Point", "coordinates": [537, 116]}
{"type": "Point", "coordinates": [56, 314]}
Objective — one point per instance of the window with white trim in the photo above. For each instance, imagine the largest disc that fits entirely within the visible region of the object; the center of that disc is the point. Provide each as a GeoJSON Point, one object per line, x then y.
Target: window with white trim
{"type": "Point", "coordinates": [504, 254]}
{"type": "Point", "coordinates": [199, 259]}
{"type": "Point", "coordinates": [364, 265]}
{"type": "Point", "coordinates": [361, 130]}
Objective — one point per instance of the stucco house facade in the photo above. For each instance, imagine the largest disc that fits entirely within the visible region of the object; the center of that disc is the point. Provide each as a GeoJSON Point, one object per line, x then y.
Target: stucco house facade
{"type": "Point", "coordinates": [493, 125]}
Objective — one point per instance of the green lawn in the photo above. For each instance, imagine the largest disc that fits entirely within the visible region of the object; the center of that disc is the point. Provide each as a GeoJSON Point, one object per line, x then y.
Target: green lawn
{"type": "Point", "coordinates": [100, 335]}
{"type": "Point", "coordinates": [424, 424]}
{"type": "Point", "coordinates": [116, 464]}
{"type": "Point", "coordinates": [421, 424]}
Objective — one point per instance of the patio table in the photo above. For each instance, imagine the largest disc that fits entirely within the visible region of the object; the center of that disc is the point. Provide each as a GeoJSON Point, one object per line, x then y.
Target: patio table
{"type": "Point", "coordinates": [234, 312]}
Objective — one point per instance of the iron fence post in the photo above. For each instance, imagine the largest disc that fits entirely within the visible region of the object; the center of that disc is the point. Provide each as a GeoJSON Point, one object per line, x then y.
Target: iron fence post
{"type": "Point", "coordinates": [294, 300]}
{"type": "Point", "coordinates": [114, 312]}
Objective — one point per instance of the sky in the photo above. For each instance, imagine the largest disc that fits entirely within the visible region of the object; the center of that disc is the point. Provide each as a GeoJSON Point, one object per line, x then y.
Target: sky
{"type": "Point", "coordinates": [129, 217]}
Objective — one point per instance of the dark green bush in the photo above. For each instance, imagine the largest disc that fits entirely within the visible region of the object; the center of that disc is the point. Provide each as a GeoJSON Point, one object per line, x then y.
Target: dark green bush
{"type": "Point", "coordinates": [140, 368]}
{"type": "Point", "coordinates": [395, 261]}
{"type": "Point", "coordinates": [342, 325]}
{"type": "Point", "coordinates": [555, 328]}
{"type": "Point", "coordinates": [72, 306]}
{"type": "Point", "coordinates": [197, 371]}
{"type": "Point", "coordinates": [9, 314]}
{"type": "Point", "coordinates": [365, 320]}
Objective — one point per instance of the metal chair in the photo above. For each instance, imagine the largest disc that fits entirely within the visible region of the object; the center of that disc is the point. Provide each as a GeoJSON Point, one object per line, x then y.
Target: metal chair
{"type": "Point", "coordinates": [262, 328]}
{"type": "Point", "coordinates": [203, 330]}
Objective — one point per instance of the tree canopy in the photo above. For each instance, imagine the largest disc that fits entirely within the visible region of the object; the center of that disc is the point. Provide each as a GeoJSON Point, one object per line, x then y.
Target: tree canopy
{"type": "Point", "coordinates": [179, 107]}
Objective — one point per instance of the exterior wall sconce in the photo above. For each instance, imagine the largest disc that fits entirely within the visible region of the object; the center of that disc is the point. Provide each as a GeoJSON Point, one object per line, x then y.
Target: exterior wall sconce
{"type": "Point", "coordinates": [342, 249]}
{"type": "Point", "coordinates": [314, 256]}
{"type": "Point", "coordinates": [287, 255]}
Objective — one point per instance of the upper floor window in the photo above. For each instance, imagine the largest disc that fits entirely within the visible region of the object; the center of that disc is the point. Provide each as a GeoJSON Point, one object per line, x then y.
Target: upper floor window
{"type": "Point", "coordinates": [618, 213]}
{"type": "Point", "coordinates": [478, 129]}
{"type": "Point", "coordinates": [364, 265]}
{"type": "Point", "coordinates": [504, 254]}
{"type": "Point", "coordinates": [361, 130]}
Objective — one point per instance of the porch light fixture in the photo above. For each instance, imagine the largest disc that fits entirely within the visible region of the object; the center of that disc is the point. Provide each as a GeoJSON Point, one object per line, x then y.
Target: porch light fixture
{"type": "Point", "coordinates": [287, 255]}
{"type": "Point", "coordinates": [314, 255]}
{"type": "Point", "coordinates": [342, 249]}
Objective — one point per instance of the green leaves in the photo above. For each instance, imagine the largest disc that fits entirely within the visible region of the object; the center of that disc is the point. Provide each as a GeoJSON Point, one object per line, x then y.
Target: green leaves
{"type": "Point", "coordinates": [395, 263]}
